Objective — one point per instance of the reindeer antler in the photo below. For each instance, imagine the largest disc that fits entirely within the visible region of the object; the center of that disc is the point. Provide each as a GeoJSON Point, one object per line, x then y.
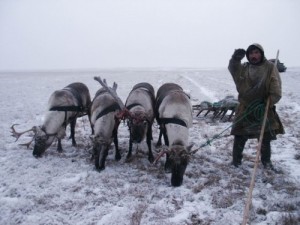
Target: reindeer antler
{"type": "Point", "coordinates": [19, 134]}
{"type": "Point", "coordinates": [28, 143]}
{"type": "Point", "coordinates": [124, 114]}
{"type": "Point", "coordinates": [112, 91]}
{"type": "Point", "coordinates": [162, 152]}
{"type": "Point", "coordinates": [16, 134]}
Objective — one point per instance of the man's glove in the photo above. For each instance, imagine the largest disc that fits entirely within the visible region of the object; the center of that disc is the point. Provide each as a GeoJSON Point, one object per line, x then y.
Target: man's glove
{"type": "Point", "coordinates": [239, 54]}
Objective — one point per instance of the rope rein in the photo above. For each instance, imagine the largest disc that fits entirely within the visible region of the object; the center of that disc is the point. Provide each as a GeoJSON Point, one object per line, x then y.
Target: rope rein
{"type": "Point", "coordinates": [256, 108]}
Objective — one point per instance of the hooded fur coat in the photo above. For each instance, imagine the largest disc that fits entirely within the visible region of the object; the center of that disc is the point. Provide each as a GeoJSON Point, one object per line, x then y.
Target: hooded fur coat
{"type": "Point", "coordinates": [255, 83]}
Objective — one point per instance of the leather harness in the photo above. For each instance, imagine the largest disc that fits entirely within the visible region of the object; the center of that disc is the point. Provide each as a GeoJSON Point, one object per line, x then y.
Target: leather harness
{"type": "Point", "coordinates": [71, 108]}
{"type": "Point", "coordinates": [109, 109]}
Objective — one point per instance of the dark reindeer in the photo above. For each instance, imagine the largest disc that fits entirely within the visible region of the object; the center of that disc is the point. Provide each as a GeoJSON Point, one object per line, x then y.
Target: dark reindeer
{"type": "Point", "coordinates": [140, 116]}
{"type": "Point", "coordinates": [173, 111]}
{"type": "Point", "coordinates": [64, 107]}
{"type": "Point", "coordinates": [105, 121]}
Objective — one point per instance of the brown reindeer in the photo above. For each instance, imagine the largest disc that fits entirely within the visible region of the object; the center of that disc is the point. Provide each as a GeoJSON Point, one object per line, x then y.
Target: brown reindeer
{"type": "Point", "coordinates": [139, 113]}
{"type": "Point", "coordinates": [140, 106]}
{"type": "Point", "coordinates": [174, 115]}
{"type": "Point", "coordinates": [105, 121]}
{"type": "Point", "coordinates": [64, 107]}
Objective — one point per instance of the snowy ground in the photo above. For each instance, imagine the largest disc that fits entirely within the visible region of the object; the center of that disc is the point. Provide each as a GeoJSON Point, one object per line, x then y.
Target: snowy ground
{"type": "Point", "coordinates": [64, 188]}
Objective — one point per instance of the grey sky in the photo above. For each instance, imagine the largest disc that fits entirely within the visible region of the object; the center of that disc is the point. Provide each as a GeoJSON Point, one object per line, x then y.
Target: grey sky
{"type": "Point", "coordinates": [95, 34]}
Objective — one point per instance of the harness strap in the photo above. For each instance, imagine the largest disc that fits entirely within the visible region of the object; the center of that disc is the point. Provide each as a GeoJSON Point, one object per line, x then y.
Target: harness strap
{"type": "Point", "coordinates": [72, 108]}
{"type": "Point", "coordinates": [173, 120]}
{"type": "Point", "coordinates": [109, 109]}
{"type": "Point", "coordinates": [48, 135]}
{"type": "Point", "coordinates": [65, 109]}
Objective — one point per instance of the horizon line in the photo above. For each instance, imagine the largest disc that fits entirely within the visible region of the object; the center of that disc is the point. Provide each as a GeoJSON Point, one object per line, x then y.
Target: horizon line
{"type": "Point", "coordinates": [107, 68]}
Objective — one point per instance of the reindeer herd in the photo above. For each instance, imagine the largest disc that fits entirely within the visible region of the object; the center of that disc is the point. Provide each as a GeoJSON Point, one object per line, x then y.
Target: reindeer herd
{"type": "Point", "coordinates": [171, 107]}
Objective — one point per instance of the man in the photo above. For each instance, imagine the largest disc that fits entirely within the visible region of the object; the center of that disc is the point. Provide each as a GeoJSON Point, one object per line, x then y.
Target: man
{"type": "Point", "coordinates": [256, 81]}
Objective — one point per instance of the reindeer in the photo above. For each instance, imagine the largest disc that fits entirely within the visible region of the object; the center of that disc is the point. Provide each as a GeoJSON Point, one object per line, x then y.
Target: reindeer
{"type": "Point", "coordinates": [174, 115]}
{"type": "Point", "coordinates": [64, 107]}
{"type": "Point", "coordinates": [140, 106]}
{"type": "Point", "coordinates": [105, 120]}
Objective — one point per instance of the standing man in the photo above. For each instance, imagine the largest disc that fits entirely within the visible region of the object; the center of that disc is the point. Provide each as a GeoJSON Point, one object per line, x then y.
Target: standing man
{"type": "Point", "coordinates": [256, 81]}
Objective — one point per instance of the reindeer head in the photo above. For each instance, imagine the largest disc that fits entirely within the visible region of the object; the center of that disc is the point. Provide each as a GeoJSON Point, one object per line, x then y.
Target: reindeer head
{"type": "Point", "coordinates": [41, 138]}
{"type": "Point", "coordinates": [100, 151]}
{"type": "Point", "coordinates": [42, 141]}
{"type": "Point", "coordinates": [177, 160]}
{"type": "Point", "coordinates": [138, 125]}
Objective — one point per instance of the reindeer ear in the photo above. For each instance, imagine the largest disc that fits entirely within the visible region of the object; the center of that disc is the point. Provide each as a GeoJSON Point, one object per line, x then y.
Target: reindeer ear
{"type": "Point", "coordinates": [166, 149]}
{"type": "Point", "coordinates": [189, 148]}
{"type": "Point", "coordinates": [92, 137]}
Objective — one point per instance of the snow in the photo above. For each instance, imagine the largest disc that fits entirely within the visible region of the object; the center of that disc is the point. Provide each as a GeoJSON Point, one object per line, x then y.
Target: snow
{"type": "Point", "coordinates": [64, 188]}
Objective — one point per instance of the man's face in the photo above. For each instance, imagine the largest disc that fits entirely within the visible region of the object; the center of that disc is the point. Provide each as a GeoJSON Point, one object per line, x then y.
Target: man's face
{"type": "Point", "coordinates": [255, 56]}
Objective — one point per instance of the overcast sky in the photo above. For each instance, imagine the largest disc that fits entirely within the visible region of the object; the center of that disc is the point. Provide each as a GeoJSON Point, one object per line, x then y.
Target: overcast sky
{"type": "Point", "coordinates": [96, 34]}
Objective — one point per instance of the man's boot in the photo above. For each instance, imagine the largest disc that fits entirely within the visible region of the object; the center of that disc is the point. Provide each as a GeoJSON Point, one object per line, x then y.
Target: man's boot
{"type": "Point", "coordinates": [266, 154]}
{"type": "Point", "coordinates": [238, 147]}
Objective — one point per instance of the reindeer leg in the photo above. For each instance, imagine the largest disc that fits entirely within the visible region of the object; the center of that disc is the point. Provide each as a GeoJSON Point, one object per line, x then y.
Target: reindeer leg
{"type": "Point", "coordinates": [130, 145]}
{"type": "Point", "coordinates": [72, 135]}
{"type": "Point", "coordinates": [159, 136]}
{"type": "Point", "coordinates": [149, 138]}
{"type": "Point", "coordinates": [59, 147]}
{"type": "Point", "coordinates": [167, 164]}
{"type": "Point", "coordinates": [89, 115]}
{"type": "Point", "coordinates": [130, 148]}
{"type": "Point", "coordinates": [164, 132]}
{"type": "Point", "coordinates": [115, 135]}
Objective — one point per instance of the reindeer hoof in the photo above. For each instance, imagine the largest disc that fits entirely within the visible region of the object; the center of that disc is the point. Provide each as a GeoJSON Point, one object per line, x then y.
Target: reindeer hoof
{"type": "Point", "coordinates": [100, 168]}
{"type": "Point", "coordinates": [37, 155]}
{"type": "Point", "coordinates": [151, 159]}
